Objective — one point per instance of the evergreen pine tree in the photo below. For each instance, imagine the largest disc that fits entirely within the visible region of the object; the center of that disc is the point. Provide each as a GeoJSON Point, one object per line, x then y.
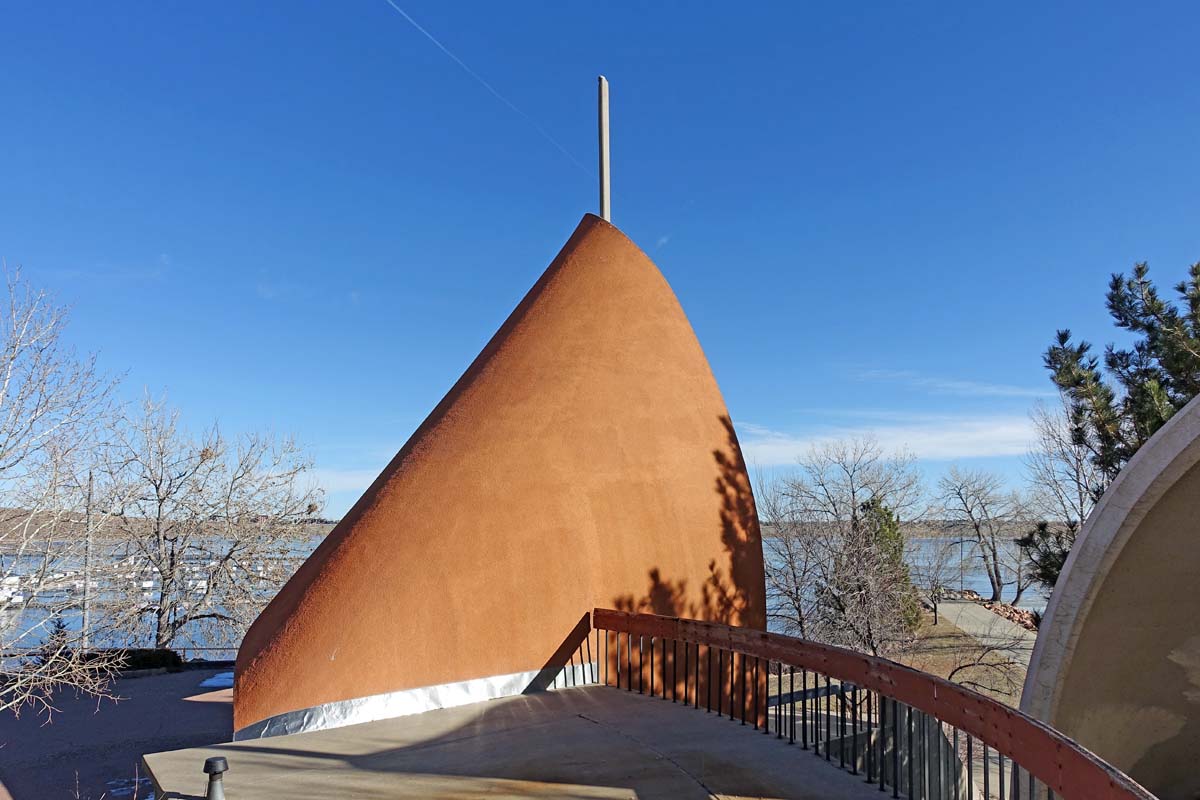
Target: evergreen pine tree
{"type": "Point", "coordinates": [1113, 410]}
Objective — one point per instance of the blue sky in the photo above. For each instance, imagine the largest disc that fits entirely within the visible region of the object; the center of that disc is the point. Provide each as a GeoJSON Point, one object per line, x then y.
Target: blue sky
{"type": "Point", "coordinates": [306, 217]}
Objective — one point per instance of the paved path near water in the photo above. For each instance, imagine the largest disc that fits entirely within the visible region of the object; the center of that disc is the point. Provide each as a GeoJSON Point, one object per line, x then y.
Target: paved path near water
{"type": "Point", "coordinates": [97, 745]}
{"type": "Point", "coordinates": [973, 619]}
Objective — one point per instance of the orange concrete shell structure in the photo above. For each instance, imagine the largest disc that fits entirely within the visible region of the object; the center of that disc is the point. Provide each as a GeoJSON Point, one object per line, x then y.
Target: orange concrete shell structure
{"type": "Point", "coordinates": [584, 459]}
{"type": "Point", "coordinates": [1117, 660]}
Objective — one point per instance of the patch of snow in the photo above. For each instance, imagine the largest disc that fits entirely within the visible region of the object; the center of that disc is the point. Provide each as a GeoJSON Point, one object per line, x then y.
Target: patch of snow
{"type": "Point", "coordinates": [129, 787]}
{"type": "Point", "coordinates": [222, 680]}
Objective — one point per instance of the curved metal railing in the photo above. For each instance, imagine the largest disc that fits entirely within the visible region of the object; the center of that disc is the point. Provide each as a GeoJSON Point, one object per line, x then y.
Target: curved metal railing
{"type": "Point", "coordinates": [913, 734]}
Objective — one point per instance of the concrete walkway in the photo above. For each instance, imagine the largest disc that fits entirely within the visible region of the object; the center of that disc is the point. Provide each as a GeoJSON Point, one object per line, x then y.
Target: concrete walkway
{"type": "Point", "coordinates": [1010, 639]}
{"type": "Point", "coordinates": [590, 742]}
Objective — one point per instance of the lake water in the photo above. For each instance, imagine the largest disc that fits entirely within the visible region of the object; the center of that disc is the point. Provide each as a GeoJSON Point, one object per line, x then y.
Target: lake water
{"type": "Point", "coordinates": [964, 570]}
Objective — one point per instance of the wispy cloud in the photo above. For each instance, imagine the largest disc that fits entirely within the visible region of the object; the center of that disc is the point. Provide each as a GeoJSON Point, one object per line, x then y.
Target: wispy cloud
{"type": "Point", "coordinates": [270, 288]}
{"type": "Point", "coordinates": [950, 386]}
{"type": "Point", "coordinates": [662, 241]}
{"type": "Point", "coordinates": [154, 270]}
{"type": "Point", "coordinates": [344, 480]}
{"type": "Point", "coordinates": [927, 436]}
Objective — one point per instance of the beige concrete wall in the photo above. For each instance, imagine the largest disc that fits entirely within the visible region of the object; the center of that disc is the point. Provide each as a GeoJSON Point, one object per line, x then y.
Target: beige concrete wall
{"type": "Point", "coordinates": [584, 459]}
{"type": "Point", "coordinates": [1117, 661]}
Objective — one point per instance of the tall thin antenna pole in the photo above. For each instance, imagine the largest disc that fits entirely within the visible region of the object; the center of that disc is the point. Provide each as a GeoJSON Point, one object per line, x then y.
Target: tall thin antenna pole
{"type": "Point", "coordinates": [605, 201]}
{"type": "Point", "coordinates": [86, 624]}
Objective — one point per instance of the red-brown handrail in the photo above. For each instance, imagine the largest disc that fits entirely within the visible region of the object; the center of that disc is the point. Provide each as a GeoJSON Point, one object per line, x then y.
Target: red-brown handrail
{"type": "Point", "coordinates": [1067, 768]}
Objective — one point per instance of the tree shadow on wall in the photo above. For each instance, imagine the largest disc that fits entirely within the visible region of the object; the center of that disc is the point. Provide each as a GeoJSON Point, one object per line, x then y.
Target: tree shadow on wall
{"type": "Point", "coordinates": [734, 595]}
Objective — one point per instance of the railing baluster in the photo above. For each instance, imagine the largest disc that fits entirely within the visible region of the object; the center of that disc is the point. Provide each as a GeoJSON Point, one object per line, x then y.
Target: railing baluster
{"type": "Point", "coordinates": [642, 661]}
{"type": "Point", "coordinates": [608, 658]}
{"type": "Point", "coordinates": [719, 683]}
{"type": "Point", "coordinates": [732, 684]}
{"type": "Point", "coordinates": [828, 716]}
{"type": "Point", "coordinates": [882, 741]}
{"type": "Point", "coordinates": [708, 679]}
{"type": "Point", "coordinates": [629, 672]}
{"type": "Point", "coordinates": [696, 687]}
{"type": "Point", "coordinates": [663, 669]}
{"type": "Point", "coordinates": [987, 774]}
{"type": "Point", "coordinates": [868, 749]}
{"type": "Point", "coordinates": [792, 706]}
{"type": "Point", "coordinates": [736, 711]}
{"type": "Point", "coordinates": [911, 784]}
{"type": "Point", "coordinates": [939, 759]}
{"type": "Point", "coordinates": [803, 708]}
{"type": "Point", "coordinates": [853, 733]}
{"type": "Point", "coordinates": [761, 685]}
{"type": "Point", "coordinates": [954, 762]}
{"type": "Point", "coordinates": [743, 701]}
{"type": "Point", "coordinates": [687, 669]}
{"type": "Point", "coordinates": [651, 648]}
{"type": "Point", "coordinates": [924, 744]}
{"type": "Point", "coordinates": [871, 724]}
{"type": "Point", "coordinates": [759, 695]}
{"type": "Point", "coordinates": [842, 724]}
{"type": "Point", "coordinates": [765, 691]}
{"type": "Point", "coordinates": [970, 771]}
{"type": "Point", "coordinates": [629, 653]}
{"type": "Point", "coordinates": [629, 663]}
{"type": "Point", "coordinates": [675, 673]}
{"type": "Point", "coordinates": [895, 749]}
{"type": "Point", "coordinates": [753, 691]}
{"type": "Point", "coordinates": [778, 702]}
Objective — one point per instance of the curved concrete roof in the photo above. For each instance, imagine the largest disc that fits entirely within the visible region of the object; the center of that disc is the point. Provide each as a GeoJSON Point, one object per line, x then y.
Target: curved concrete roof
{"type": "Point", "coordinates": [584, 459]}
{"type": "Point", "coordinates": [1117, 659]}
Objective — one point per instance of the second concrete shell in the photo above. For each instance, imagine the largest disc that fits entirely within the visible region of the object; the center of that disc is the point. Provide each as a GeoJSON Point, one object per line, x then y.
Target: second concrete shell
{"type": "Point", "coordinates": [1117, 660]}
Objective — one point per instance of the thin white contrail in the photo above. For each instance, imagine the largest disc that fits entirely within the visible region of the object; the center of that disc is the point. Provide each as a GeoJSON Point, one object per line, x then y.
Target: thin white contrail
{"type": "Point", "coordinates": [490, 88]}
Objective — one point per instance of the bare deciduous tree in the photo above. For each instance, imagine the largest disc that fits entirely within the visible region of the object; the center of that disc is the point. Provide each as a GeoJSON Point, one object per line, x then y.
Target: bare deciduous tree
{"type": "Point", "coordinates": [793, 560]}
{"type": "Point", "coordinates": [836, 570]}
{"type": "Point", "coordinates": [934, 561]}
{"type": "Point", "coordinates": [993, 666]}
{"type": "Point", "coordinates": [1064, 484]}
{"type": "Point", "coordinates": [51, 407]}
{"type": "Point", "coordinates": [210, 527]}
{"type": "Point", "coordinates": [1063, 481]}
{"type": "Point", "coordinates": [991, 518]}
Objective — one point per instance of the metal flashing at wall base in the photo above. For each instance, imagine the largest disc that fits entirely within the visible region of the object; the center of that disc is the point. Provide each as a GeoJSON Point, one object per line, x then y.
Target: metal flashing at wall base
{"type": "Point", "coordinates": [413, 701]}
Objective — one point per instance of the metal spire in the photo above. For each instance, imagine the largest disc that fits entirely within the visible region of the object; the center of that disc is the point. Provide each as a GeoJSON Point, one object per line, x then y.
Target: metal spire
{"type": "Point", "coordinates": [605, 200]}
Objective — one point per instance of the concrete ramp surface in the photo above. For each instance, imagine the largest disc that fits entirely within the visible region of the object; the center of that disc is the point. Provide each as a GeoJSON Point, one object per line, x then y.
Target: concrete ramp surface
{"type": "Point", "coordinates": [591, 742]}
